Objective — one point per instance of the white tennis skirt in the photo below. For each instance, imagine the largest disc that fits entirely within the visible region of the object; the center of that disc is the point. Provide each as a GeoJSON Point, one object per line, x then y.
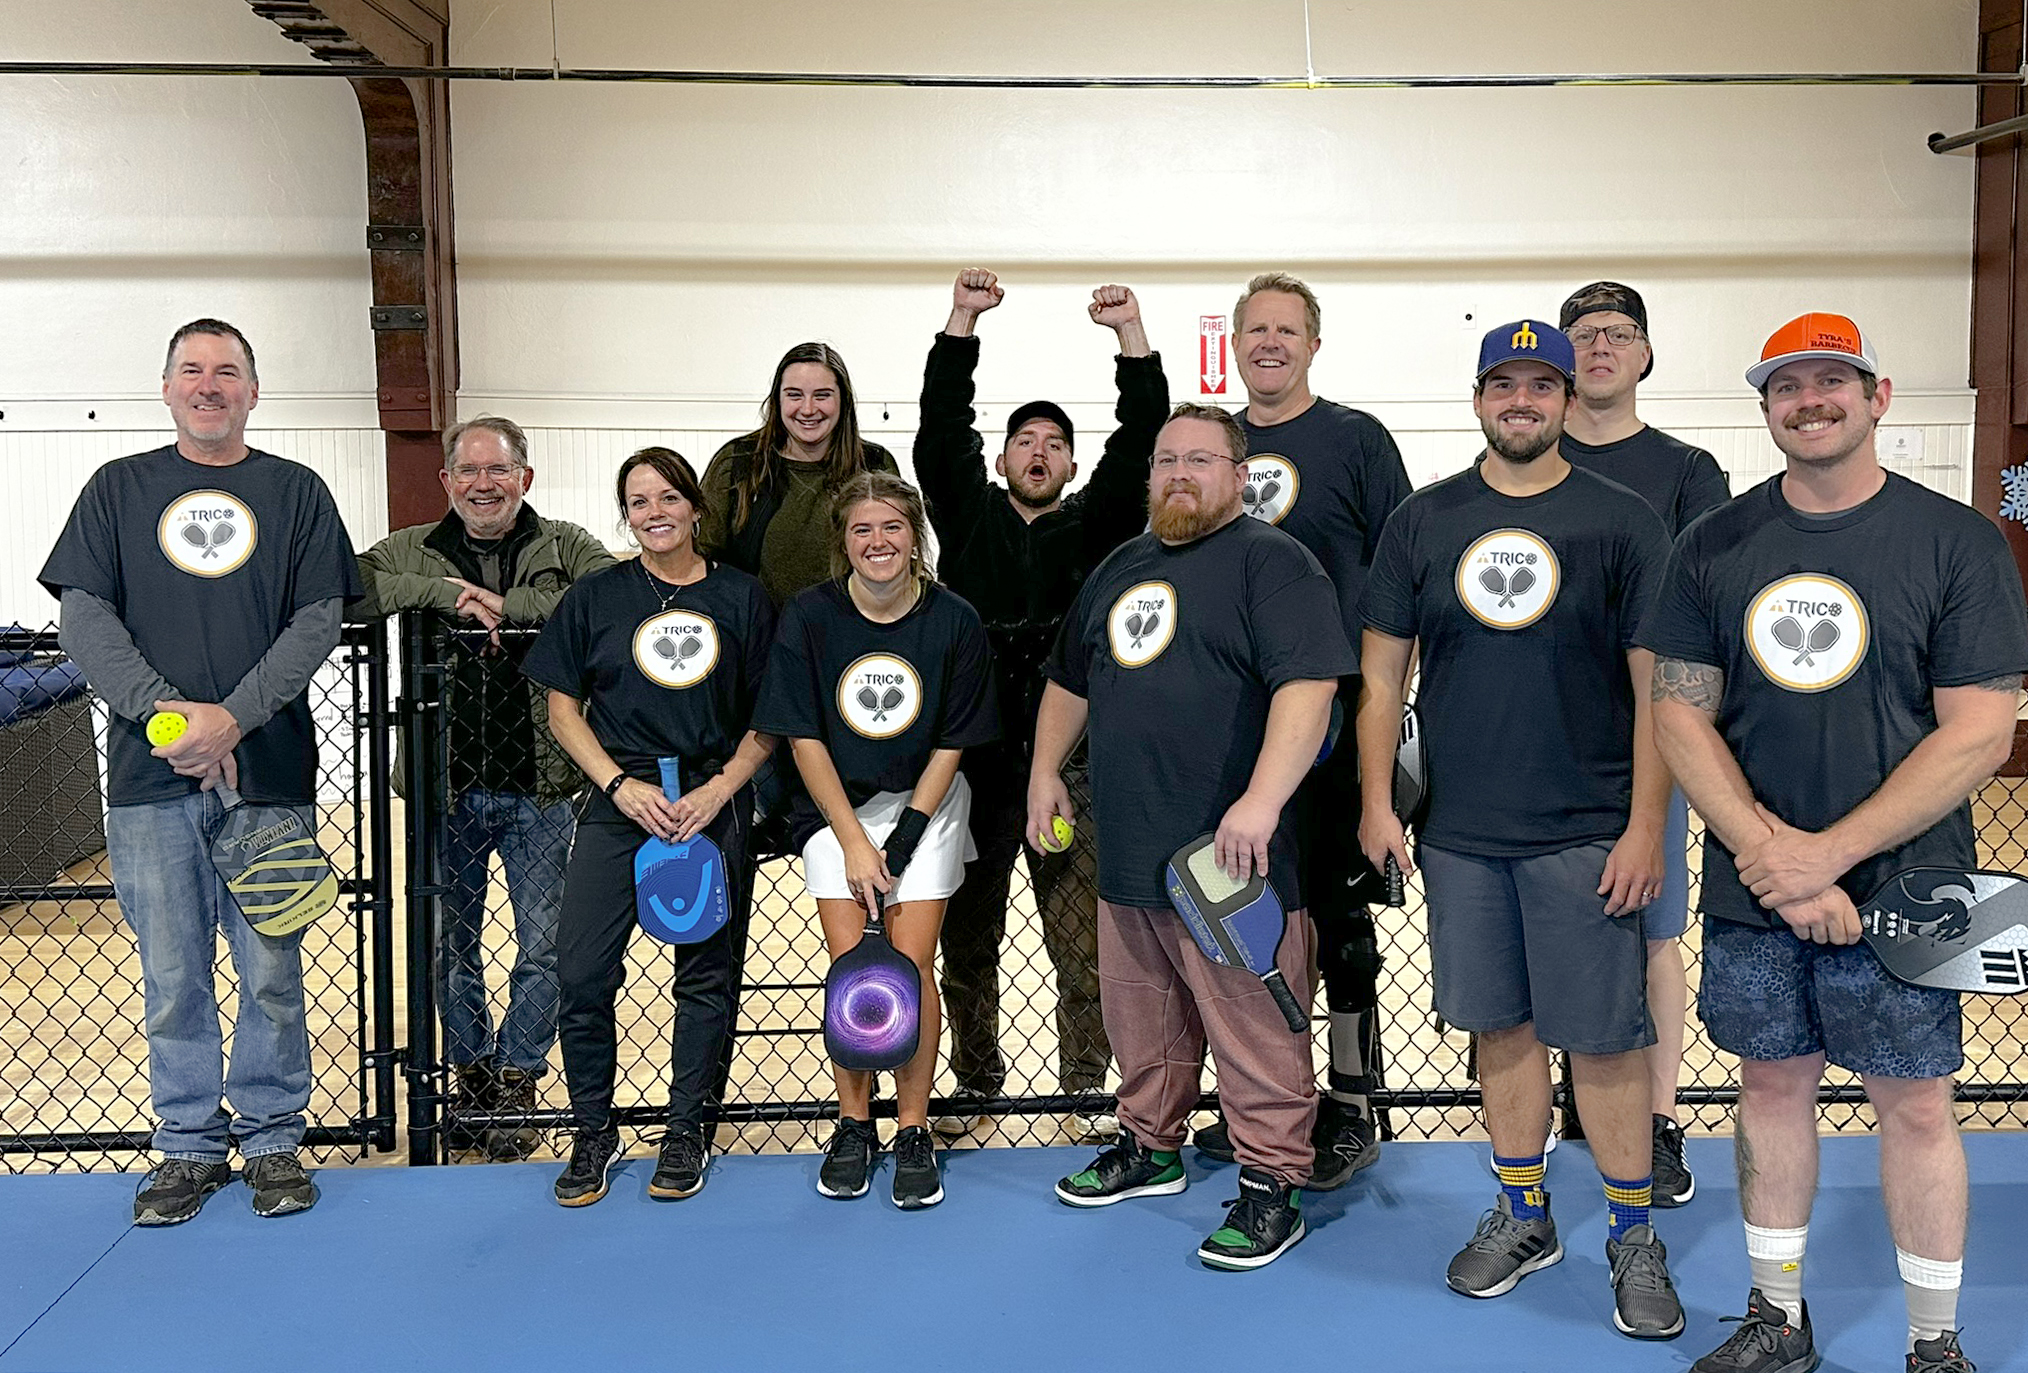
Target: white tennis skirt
{"type": "Point", "coordinates": [939, 863]}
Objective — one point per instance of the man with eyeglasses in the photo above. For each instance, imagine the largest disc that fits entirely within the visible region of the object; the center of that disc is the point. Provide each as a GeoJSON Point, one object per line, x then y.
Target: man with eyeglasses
{"type": "Point", "coordinates": [1203, 655]}
{"type": "Point", "coordinates": [1607, 324]}
{"type": "Point", "coordinates": [492, 562]}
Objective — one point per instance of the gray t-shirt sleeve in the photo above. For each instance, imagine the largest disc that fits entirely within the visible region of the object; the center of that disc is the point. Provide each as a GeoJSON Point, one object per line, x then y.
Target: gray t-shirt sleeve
{"type": "Point", "coordinates": [284, 671]}
{"type": "Point", "coordinates": [91, 633]}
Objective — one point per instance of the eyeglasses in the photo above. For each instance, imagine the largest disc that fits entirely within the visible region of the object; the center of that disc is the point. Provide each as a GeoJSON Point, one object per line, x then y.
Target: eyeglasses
{"type": "Point", "coordinates": [1198, 461]}
{"type": "Point", "coordinates": [1618, 335]}
{"type": "Point", "coordinates": [465, 476]}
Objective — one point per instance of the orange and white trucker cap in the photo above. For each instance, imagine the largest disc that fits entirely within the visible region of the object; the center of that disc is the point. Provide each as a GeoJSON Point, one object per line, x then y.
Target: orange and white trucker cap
{"type": "Point", "coordinates": [1815, 335]}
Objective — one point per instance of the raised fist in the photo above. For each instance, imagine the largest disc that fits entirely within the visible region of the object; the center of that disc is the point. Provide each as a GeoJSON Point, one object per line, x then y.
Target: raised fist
{"type": "Point", "coordinates": [977, 291]}
{"type": "Point", "coordinates": [1115, 307]}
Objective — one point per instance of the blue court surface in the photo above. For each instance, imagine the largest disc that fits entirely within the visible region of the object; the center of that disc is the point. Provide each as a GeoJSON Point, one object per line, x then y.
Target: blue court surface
{"type": "Point", "coordinates": [476, 1268]}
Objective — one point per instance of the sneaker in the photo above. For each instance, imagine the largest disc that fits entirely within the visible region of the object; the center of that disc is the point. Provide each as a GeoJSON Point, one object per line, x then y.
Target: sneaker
{"type": "Point", "coordinates": [176, 1190]}
{"type": "Point", "coordinates": [1504, 1251]}
{"type": "Point", "coordinates": [1213, 1141]}
{"type": "Point", "coordinates": [592, 1156]}
{"type": "Point", "coordinates": [1940, 1355]}
{"type": "Point", "coordinates": [1673, 1183]}
{"type": "Point", "coordinates": [917, 1183]}
{"type": "Point", "coordinates": [280, 1186]}
{"type": "Point", "coordinates": [1346, 1142]}
{"type": "Point", "coordinates": [511, 1144]}
{"type": "Point", "coordinates": [475, 1090]}
{"type": "Point", "coordinates": [1548, 1148]}
{"type": "Point", "coordinates": [964, 1114]}
{"type": "Point", "coordinates": [1129, 1169]}
{"type": "Point", "coordinates": [1094, 1127]}
{"type": "Point", "coordinates": [1265, 1219]}
{"type": "Point", "coordinates": [680, 1168]}
{"type": "Point", "coordinates": [1644, 1299]}
{"type": "Point", "coordinates": [848, 1160]}
{"type": "Point", "coordinates": [1764, 1343]}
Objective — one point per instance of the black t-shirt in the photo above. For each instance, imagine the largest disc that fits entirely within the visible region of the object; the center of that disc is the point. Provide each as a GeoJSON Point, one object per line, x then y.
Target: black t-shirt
{"type": "Point", "coordinates": [880, 698]}
{"type": "Point", "coordinates": [636, 650]}
{"type": "Point", "coordinates": [1832, 635]}
{"type": "Point", "coordinates": [206, 566]}
{"type": "Point", "coordinates": [1526, 607]}
{"type": "Point", "coordinates": [1331, 476]}
{"type": "Point", "coordinates": [1680, 480]}
{"type": "Point", "coordinates": [1179, 650]}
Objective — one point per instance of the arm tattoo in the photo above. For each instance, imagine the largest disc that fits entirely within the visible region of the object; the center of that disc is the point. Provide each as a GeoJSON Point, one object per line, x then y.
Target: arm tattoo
{"type": "Point", "coordinates": [1694, 684]}
{"type": "Point", "coordinates": [2010, 682]}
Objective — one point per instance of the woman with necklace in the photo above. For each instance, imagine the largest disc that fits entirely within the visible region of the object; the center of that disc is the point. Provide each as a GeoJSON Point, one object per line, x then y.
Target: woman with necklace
{"type": "Point", "coordinates": [882, 678]}
{"type": "Point", "coordinates": [656, 658]}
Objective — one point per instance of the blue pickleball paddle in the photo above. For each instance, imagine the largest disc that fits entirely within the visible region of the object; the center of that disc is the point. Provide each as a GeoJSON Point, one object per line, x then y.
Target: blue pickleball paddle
{"type": "Point", "coordinates": [679, 889]}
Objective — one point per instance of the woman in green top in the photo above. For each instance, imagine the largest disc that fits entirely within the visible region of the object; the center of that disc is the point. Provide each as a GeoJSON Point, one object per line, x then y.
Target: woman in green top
{"type": "Point", "coordinates": [769, 492]}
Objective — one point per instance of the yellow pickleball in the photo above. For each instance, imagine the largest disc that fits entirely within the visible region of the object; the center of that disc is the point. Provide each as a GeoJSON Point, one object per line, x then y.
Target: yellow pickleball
{"type": "Point", "coordinates": [1058, 838]}
{"type": "Point", "coordinates": [165, 727]}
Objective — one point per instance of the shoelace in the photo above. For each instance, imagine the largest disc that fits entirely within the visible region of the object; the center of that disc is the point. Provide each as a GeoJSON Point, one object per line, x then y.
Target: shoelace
{"type": "Point", "coordinates": [693, 1154]}
{"type": "Point", "coordinates": [1765, 1334]}
{"type": "Point", "coordinates": [589, 1154]}
{"type": "Point", "coordinates": [1640, 1266]}
{"type": "Point", "coordinates": [1244, 1215]}
{"type": "Point", "coordinates": [914, 1150]}
{"type": "Point", "coordinates": [1494, 1229]}
{"type": "Point", "coordinates": [1954, 1360]}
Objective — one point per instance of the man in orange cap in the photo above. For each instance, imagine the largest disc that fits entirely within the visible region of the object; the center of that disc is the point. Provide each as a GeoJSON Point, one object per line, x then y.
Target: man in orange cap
{"type": "Point", "coordinates": [1838, 656]}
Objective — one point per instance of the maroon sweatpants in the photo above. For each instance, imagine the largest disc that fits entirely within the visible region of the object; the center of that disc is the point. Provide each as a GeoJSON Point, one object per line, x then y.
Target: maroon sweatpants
{"type": "Point", "coordinates": [1162, 999]}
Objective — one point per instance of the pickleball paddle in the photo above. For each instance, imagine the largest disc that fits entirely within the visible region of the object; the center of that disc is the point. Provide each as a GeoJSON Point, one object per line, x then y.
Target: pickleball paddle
{"type": "Point", "coordinates": [270, 861]}
{"type": "Point", "coordinates": [679, 888]}
{"type": "Point", "coordinates": [1237, 924]}
{"type": "Point", "coordinates": [1951, 929]}
{"type": "Point", "coordinates": [872, 1000]}
{"type": "Point", "coordinates": [1411, 791]}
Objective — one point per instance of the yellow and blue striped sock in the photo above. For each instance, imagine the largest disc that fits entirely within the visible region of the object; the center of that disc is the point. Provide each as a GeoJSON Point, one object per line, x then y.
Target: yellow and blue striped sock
{"type": "Point", "coordinates": [1628, 1203]}
{"type": "Point", "coordinates": [1521, 1180]}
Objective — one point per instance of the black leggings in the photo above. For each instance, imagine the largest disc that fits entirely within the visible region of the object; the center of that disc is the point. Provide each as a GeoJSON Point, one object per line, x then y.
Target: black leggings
{"type": "Point", "coordinates": [1338, 882]}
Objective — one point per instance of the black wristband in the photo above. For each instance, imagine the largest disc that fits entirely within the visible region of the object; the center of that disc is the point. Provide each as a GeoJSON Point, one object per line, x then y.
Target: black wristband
{"type": "Point", "coordinates": [612, 788]}
{"type": "Point", "coordinates": [908, 832]}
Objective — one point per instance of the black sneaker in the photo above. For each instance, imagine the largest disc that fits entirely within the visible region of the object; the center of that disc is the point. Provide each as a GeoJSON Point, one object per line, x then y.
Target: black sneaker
{"type": "Point", "coordinates": [592, 1156]}
{"type": "Point", "coordinates": [1265, 1219]}
{"type": "Point", "coordinates": [280, 1186]}
{"type": "Point", "coordinates": [1673, 1183]}
{"type": "Point", "coordinates": [1128, 1169]}
{"type": "Point", "coordinates": [475, 1090]}
{"type": "Point", "coordinates": [176, 1190]}
{"type": "Point", "coordinates": [917, 1183]}
{"type": "Point", "coordinates": [1504, 1250]}
{"type": "Point", "coordinates": [680, 1168]}
{"type": "Point", "coordinates": [1345, 1141]}
{"type": "Point", "coordinates": [1213, 1141]}
{"type": "Point", "coordinates": [1764, 1343]}
{"type": "Point", "coordinates": [517, 1096]}
{"type": "Point", "coordinates": [848, 1160]}
{"type": "Point", "coordinates": [1644, 1299]}
{"type": "Point", "coordinates": [1940, 1355]}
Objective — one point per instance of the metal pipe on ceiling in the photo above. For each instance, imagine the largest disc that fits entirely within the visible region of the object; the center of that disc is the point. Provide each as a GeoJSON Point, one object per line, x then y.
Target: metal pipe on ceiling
{"type": "Point", "coordinates": [1939, 143]}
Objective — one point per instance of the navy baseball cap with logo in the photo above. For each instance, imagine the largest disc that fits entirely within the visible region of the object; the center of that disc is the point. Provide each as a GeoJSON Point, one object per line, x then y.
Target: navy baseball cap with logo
{"type": "Point", "coordinates": [1042, 410]}
{"type": "Point", "coordinates": [1527, 340]}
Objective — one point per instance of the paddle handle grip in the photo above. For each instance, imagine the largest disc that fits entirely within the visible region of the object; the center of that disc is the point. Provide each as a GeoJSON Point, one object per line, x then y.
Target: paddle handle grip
{"type": "Point", "coordinates": [1397, 889]}
{"type": "Point", "coordinates": [672, 777]}
{"type": "Point", "coordinates": [1286, 999]}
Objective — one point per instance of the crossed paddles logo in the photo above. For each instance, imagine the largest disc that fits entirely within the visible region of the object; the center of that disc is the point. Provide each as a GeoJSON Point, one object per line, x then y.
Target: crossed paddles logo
{"type": "Point", "coordinates": [879, 695]}
{"type": "Point", "coordinates": [1807, 632]}
{"type": "Point", "coordinates": [676, 648]}
{"type": "Point", "coordinates": [1508, 579]}
{"type": "Point", "coordinates": [1142, 623]}
{"type": "Point", "coordinates": [207, 533]}
{"type": "Point", "coordinates": [1270, 490]}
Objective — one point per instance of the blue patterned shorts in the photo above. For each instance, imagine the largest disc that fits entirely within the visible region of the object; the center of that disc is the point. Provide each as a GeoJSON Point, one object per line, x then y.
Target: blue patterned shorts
{"type": "Point", "coordinates": [1768, 995]}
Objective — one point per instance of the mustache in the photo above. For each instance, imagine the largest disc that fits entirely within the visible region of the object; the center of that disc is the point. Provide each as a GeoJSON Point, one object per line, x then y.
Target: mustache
{"type": "Point", "coordinates": [1813, 414]}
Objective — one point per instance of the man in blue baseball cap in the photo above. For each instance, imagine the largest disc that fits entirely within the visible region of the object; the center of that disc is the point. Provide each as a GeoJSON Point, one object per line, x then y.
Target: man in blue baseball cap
{"type": "Point", "coordinates": [1522, 581]}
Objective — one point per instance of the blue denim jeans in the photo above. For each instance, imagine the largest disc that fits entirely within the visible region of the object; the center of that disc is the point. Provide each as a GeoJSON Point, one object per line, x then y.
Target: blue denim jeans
{"type": "Point", "coordinates": [533, 841]}
{"type": "Point", "coordinates": [173, 900]}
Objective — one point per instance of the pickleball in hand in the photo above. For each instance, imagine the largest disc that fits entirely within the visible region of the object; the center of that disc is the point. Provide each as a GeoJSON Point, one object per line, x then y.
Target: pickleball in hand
{"type": "Point", "coordinates": [1058, 837]}
{"type": "Point", "coordinates": [165, 727]}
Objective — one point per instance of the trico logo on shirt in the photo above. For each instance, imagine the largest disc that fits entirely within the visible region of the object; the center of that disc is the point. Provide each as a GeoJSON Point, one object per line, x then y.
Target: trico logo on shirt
{"type": "Point", "coordinates": [1807, 632]}
{"type": "Point", "coordinates": [207, 533]}
{"type": "Point", "coordinates": [1270, 490]}
{"type": "Point", "coordinates": [1508, 579]}
{"type": "Point", "coordinates": [879, 695]}
{"type": "Point", "coordinates": [676, 648]}
{"type": "Point", "coordinates": [1142, 623]}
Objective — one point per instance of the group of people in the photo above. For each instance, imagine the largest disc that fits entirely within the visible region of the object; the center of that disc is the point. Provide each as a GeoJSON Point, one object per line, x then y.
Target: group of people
{"type": "Point", "coordinates": [1219, 632]}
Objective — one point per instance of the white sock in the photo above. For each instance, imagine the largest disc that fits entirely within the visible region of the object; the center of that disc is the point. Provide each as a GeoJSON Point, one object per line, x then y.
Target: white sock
{"type": "Point", "coordinates": [1776, 1257]}
{"type": "Point", "coordinates": [1930, 1286]}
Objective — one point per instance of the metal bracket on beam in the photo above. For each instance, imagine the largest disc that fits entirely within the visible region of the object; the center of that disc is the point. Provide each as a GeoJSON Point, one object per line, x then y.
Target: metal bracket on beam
{"type": "Point", "coordinates": [395, 238]}
{"type": "Point", "coordinates": [399, 317]}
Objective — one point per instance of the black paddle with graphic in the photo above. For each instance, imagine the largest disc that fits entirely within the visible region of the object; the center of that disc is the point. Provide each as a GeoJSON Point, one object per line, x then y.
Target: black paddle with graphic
{"type": "Point", "coordinates": [1411, 789]}
{"type": "Point", "coordinates": [1958, 930]}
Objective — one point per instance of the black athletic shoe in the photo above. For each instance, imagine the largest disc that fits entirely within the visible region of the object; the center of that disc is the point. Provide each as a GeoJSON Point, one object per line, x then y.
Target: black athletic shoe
{"type": "Point", "coordinates": [176, 1190]}
{"type": "Point", "coordinates": [1673, 1183]}
{"type": "Point", "coordinates": [1213, 1141]}
{"type": "Point", "coordinates": [1644, 1299]}
{"type": "Point", "coordinates": [1764, 1343]}
{"type": "Point", "coordinates": [592, 1156]}
{"type": "Point", "coordinates": [681, 1166]}
{"type": "Point", "coordinates": [1345, 1141]}
{"type": "Point", "coordinates": [917, 1183]}
{"type": "Point", "coordinates": [1128, 1169]}
{"type": "Point", "coordinates": [280, 1186]}
{"type": "Point", "coordinates": [1940, 1355]}
{"type": "Point", "coordinates": [1264, 1221]}
{"type": "Point", "coordinates": [848, 1160]}
{"type": "Point", "coordinates": [1504, 1250]}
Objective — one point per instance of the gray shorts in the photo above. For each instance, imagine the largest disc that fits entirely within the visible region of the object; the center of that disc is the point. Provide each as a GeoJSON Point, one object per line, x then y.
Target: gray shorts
{"type": "Point", "coordinates": [1520, 939]}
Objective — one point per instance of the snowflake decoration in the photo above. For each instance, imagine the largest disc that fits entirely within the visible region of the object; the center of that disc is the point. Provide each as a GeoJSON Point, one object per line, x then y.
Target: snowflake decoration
{"type": "Point", "coordinates": [2014, 497]}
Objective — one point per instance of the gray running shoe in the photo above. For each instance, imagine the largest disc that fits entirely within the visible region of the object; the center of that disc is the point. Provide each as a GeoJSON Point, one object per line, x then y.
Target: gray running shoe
{"type": "Point", "coordinates": [280, 1186]}
{"type": "Point", "coordinates": [1644, 1299]}
{"type": "Point", "coordinates": [176, 1191]}
{"type": "Point", "coordinates": [1504, 1251]}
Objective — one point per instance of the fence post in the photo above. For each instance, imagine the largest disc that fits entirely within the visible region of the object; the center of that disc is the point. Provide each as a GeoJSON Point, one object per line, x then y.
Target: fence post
{"type": "Point", "coordinates": [376, 789]}
{"type": "Point", "coordinates": [420, 714]}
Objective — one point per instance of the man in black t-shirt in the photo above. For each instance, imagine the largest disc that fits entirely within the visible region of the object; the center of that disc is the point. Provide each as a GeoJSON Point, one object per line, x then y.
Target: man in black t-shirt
{"type": "Point", "coordinates": [1607, 324]}
{"type": "Point", "coordinates": [207, 579]}
{"type": "Point", "coordinates": [1838, 659]}
{"type": "Point", "coordinates": [1329, 475]}
{"type": "Point", "coordinates": [1207, 619]}
{"type": "Point", "coordinates": [1018, 553]}
{"type": "Point", "coordinates": [1521, 581]}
